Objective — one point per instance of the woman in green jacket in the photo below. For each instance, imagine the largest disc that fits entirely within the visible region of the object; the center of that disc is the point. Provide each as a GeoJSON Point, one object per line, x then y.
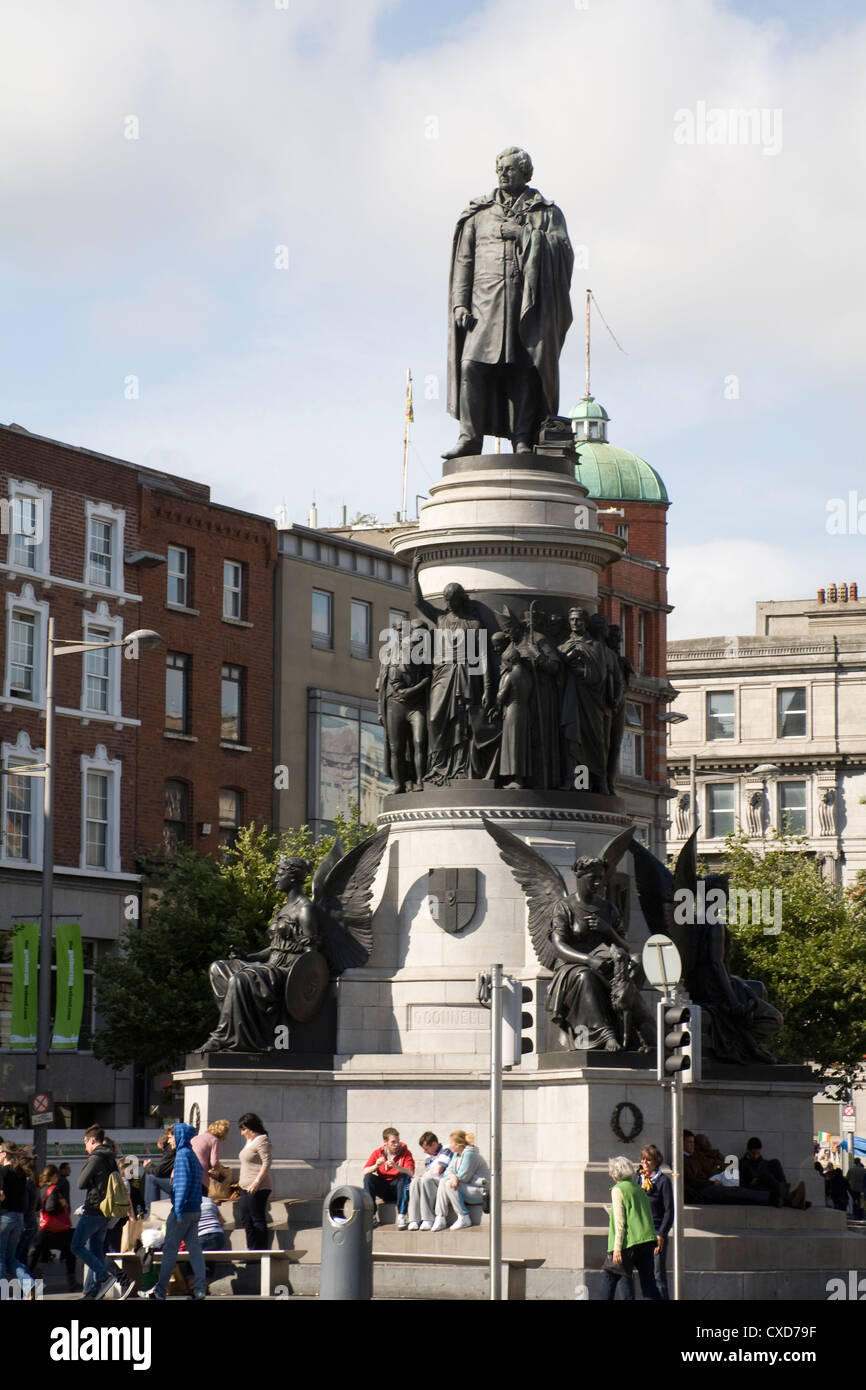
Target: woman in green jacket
{"type": "Point", "coordinates": [632, 1236]}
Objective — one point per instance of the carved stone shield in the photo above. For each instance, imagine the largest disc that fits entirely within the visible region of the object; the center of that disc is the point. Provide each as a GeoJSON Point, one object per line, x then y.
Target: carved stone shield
{"type": "Point", "coordinates": [306, 985]}
{"type": "Point", "coordinates": [452, 895]}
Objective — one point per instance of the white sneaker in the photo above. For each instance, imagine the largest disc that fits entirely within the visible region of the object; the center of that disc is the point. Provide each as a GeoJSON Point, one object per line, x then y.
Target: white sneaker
{"type": "Point", "coordinates": [425, 1226]}
{"type": "Point", "coordinates": [461, 1223]}
{"type": "Point", "coordinates": [413, 1226]}
{"type": "Point", "coordinates": [439, 1224]}
{"type": "Point", "coordinates": [401, 1221]}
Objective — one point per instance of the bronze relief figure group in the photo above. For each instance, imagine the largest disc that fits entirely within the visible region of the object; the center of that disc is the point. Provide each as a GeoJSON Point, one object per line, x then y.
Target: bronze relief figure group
{"type": "Point", "coordinates": [516, 699]}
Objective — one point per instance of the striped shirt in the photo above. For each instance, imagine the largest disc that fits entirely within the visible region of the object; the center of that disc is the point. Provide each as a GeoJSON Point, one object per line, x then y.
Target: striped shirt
{"type": "Point", "coordinates": [210, 1218]}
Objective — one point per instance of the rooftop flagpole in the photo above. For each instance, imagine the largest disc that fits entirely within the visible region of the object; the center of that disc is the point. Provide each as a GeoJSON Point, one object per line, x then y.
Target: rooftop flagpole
{"type": "Point", "coordinates": [410, 416]}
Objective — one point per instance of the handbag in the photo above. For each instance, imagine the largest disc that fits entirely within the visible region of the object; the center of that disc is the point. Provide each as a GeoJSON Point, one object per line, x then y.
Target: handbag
{"type": "Point", "coordinates": [626, 1268]}
{"type": "Point", "coordinates": [220, 1183]}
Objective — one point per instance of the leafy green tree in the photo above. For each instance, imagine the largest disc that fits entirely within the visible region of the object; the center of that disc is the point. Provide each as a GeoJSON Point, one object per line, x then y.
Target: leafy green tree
{"type": "Point", "coordinates": [814, 968]}
{"type": "Point", "coordinates": [154, 996]}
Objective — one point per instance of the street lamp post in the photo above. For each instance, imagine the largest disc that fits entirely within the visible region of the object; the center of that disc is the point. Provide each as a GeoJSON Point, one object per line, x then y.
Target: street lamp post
{"type": "Point", "coordinates": [144, 639]}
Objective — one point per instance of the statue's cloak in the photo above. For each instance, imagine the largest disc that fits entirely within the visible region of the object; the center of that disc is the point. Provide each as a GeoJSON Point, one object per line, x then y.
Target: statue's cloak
{"type": "Point", "coordinates": [547, 259]}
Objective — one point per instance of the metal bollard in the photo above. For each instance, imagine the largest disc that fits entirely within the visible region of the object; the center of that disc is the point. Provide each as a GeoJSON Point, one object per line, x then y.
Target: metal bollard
{"type": "Point", "coordinates": [347, 1245]}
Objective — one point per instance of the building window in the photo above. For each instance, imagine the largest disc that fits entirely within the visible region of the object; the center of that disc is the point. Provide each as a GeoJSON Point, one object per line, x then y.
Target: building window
{"type": "Point", "coordinates": [22, 656]}
{"type": "Point", "coordinates": [791, 712]}
{"type": "Point", "coordinates": [104, 566]}
{"type": "Point", "coordinates": [631, 749]}
{"type": "Point", "coordinates": [177, 692]}
{"type": "Point", "coordinates": [231, 728]}
{"type": "Point", "coordinates": [26, 641]}
{"type": "Point", "coordinates": [97, 675]}
{"type": "Point", "coordinates": [230, 816]}
{"type": "Point", "coordinates": [100, 685]}
{"type": "Point", "coordinates": [22, 803]}
{"type": "Point", "coordinates": [96, 821]}
{"type": "Point", "coordinates": [323, 632]}
{"type": "Point", "coordinates": [621, 530]}
{"type": "Point", "coordinates": [720, 809]}
{"type": "Point", "coordinates": [232, 589]}
{"type": "Point", "coordinates": [720, 714]}
{"type": "Point", "coordinates": [100, 819]}
{"type": "Point", "coordinates": [792, 807]}
{"type": "Point", "coordinates": [175, 828]}
{"type": "Point", "coordinates": [178, 586]}
{"type": "Point", "coordinates": [361, 624]}
{"type": "Point", "coordinates": [641, 643]}
{"type": "Point", "coordinates": [348, 759]}
{"type": "Point", "coordinates": [26, 518]}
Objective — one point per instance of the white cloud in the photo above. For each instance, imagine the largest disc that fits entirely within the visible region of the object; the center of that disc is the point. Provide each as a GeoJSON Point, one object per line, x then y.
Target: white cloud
{"type": "Point", "coordinates": [714, 586]}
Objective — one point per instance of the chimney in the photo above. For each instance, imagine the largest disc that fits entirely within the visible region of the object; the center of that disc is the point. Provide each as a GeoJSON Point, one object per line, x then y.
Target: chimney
{"type": "Point", "coordinates": [843, 593]}
{"type": "Point", "coordinates": [397, 517]}
{"type": "Point", "coordinates": [344, 515]}
{"type": "Point", "coordinates": [831, 593]}
{"type": "Point", "coordinates": [314, 516]}
{"type": "Point", "coordinates": [822, 596]}
{"type": "Point", "coordinates": [852, 590]}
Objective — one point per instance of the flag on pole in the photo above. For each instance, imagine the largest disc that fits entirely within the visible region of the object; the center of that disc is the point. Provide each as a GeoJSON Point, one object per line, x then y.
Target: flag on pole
{"type": "Point", "coordinates": [410, 414]}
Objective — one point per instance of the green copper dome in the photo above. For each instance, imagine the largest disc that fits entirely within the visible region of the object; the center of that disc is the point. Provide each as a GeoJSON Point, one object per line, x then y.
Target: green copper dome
{"type": "Point", "coordinates": [588, 409]}
{"type": "Point", "coordinates": [616, 475]}
{"type": "Point", "coordinates": [607, 472]}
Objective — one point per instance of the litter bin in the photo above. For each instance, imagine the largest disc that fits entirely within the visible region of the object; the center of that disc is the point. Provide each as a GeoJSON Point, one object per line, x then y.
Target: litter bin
{"type": "Point", "coordinates": [347, 1245]}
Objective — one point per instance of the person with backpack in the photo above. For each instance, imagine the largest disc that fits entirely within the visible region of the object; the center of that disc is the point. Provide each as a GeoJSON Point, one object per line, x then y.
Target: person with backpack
{"type": "Point", "coordinates": [104, 1203]}
{"type": "Point", "coordinates": [183, 1219]}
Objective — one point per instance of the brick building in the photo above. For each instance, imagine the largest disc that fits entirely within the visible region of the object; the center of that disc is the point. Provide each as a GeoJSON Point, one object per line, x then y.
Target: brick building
{"type": "Point", "coordinates": [173, 746]}
{"type": "Point", "coordinates": [633, 504]}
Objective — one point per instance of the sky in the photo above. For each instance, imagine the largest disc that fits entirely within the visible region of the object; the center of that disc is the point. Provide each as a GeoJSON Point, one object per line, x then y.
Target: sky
{"type": "Point", "coordinates": [227, 227]}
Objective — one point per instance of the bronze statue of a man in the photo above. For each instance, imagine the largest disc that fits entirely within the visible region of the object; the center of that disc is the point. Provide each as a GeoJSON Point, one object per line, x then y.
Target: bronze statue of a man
{"type": "Point", "coordinates": [509, 311]}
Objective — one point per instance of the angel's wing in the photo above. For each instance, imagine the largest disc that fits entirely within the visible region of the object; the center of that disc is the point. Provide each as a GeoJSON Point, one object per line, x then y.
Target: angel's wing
{"type": "Point", "coordinates": [655, 889]}
{"type": "Point", "coordinates": [686, 869]}
{"type": "Point", "coordinates": [341, 895]}
{"type": "Point", "coordinates": [541, 882]}
{"type": "Point", "coordinates": [613, 852]}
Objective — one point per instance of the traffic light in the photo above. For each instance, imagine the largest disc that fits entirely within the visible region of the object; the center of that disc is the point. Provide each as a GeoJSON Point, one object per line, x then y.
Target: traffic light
{"type": "Point", "coordinates": [679, 1041]}
{"type": "Point", "coordinates": [518, 1023]}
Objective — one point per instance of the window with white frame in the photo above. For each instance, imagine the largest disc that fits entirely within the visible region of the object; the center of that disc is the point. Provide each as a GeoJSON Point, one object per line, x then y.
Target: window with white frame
{"type": "Point", "coordinates": [104, 556]}
{"type": "Point", "coordinates": [233, 579]}
{"type": "Point", "coordinates": [100, 690]}
{"type": "Point", "coordinates": [720, 714]}
{"type": "Point", "coordinates": [100, 806]}
{"type": "Point", "coordinates": [22, 803]}
{"type": "Point", "coordinates": [230, 816]}
{"type": "Point", "coordinates": [178, 577]}
{"type": "Point", "coordinates": [720, 809]}
{"type": "Point", "coordinates": [641, 643]}
{"type": "Point", "coordinates": [26, 637]}
{"type": "Point", "coordinates": [791, 712]}
{"type": "Point", "coordinates": [26, 520]}
{"type": "Point", "coordinates": [792, 807]}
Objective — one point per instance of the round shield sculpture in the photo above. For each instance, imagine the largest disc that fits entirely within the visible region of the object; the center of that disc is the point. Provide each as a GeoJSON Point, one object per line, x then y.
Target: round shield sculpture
{"type": "Point", "coordinates": [306, 985]}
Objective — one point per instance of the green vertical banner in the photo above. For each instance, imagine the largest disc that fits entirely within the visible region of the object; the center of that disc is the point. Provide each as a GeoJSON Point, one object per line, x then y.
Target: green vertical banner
{"type": "Point", "coordinates": [70, 987]}
{"type": "Point", "coordinates": [25, 998]}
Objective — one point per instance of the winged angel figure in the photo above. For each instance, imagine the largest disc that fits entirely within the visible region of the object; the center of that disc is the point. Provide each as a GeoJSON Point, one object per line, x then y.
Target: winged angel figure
{"type": "Point", "coordinates": [594, 996]}
{"type": "Point", "coordinates": [310, 942]}
{"type": "Point", "coordinates": [693, 913]}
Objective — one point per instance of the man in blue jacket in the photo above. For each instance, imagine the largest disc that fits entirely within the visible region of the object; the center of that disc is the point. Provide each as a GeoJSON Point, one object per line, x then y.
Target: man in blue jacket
{"type": "Point", "coordinates": [183, 1219]}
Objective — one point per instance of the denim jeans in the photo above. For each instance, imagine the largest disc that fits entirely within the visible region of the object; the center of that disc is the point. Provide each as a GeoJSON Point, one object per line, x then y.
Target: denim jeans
{"type": "Point", "coordinates": [88, 1243]}
{"type": "Point", "coordinates": [155, 1189]}
{"type": "Point", "coordinates": [660, 1270]}
{"type": "Point", "coordinates": [214, 1240]}
{"type": "Point", "coordinates": [11, 1228]}
{"type": "Point", "coordinates": [389, 1190]}
{"type": "Point", "coordinates": [177, 1229]}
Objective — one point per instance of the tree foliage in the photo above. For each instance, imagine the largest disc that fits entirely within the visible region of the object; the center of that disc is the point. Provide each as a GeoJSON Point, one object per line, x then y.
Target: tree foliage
{"type": "Point", "coordinates": [814, 968]}
{"type": "Point", "coordinates": [153, 993]}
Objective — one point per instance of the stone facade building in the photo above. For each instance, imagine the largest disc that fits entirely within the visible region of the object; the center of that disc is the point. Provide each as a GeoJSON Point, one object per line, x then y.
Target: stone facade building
{"type": "Point", "coordinates": [776, 726]}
